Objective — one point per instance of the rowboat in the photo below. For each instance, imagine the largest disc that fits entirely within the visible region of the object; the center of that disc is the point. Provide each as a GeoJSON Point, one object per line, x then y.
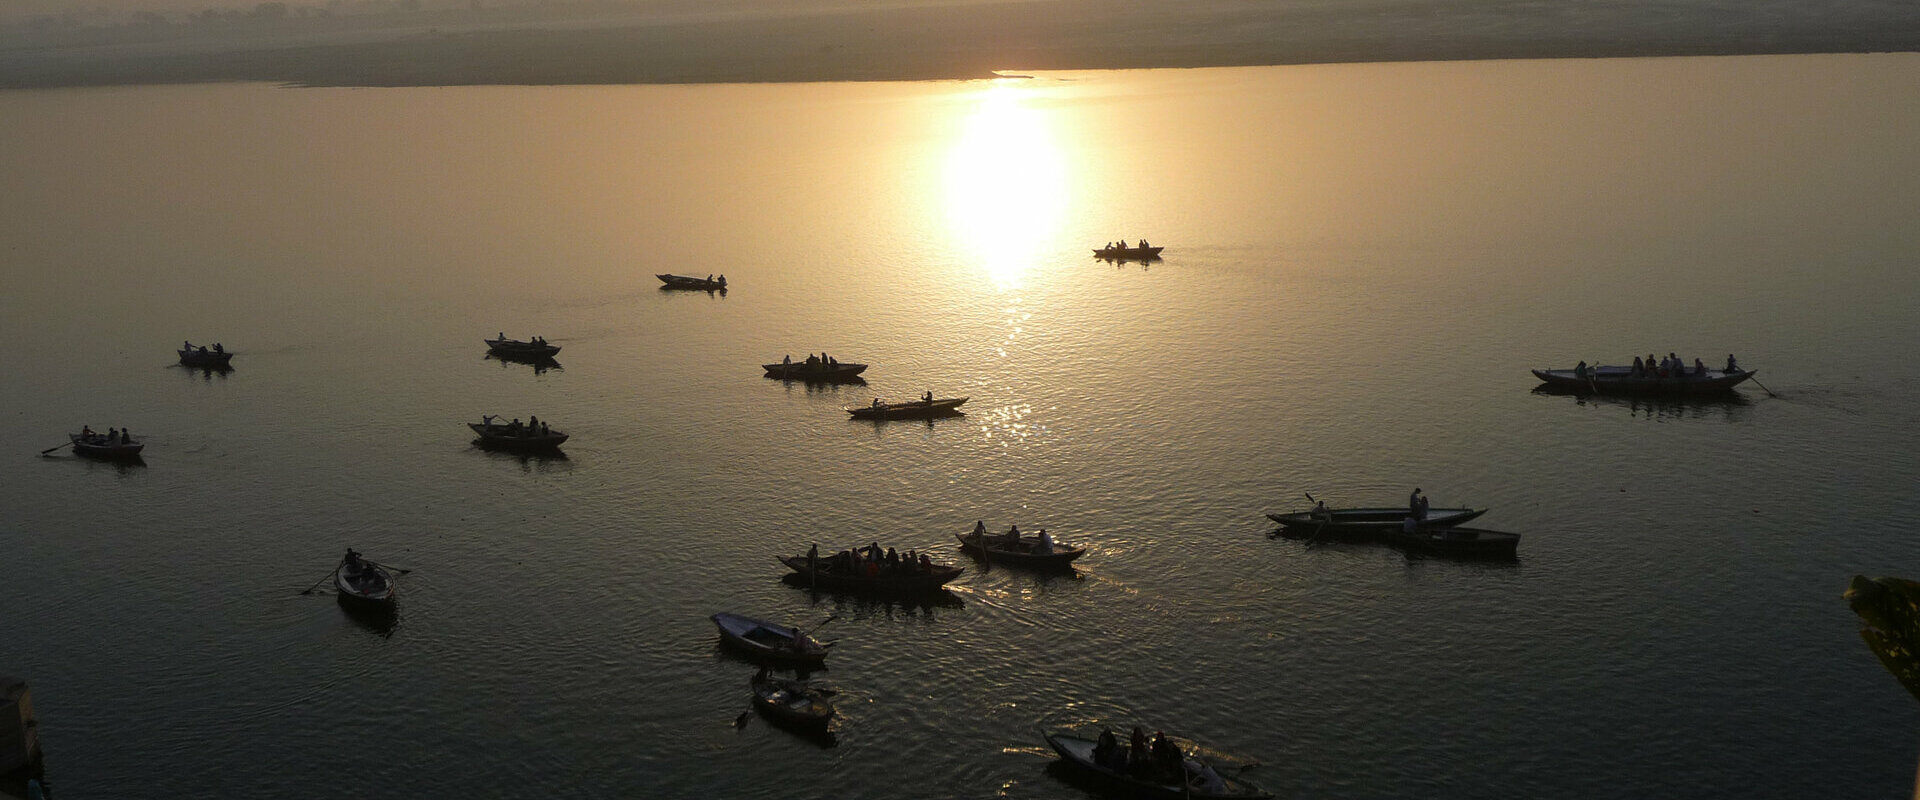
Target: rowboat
{"type": "Point", "coordinates": [1457, 542]}
{"type": "Point", "coordinates": [516, 349]}
{"type": "Point", "coordinates": [1367, 521]}
{"type": "Point", "coordinates": [1079, 752]}
{"type": "Point", "coordinates": [363, 584]}
{"type": "Point", "coordinates": [690, 282]}
{"type": "Point", "coordinates": [840, 572]}
{"type": "Point", "coordinates": [792, 702]}
{"type": "Point", "coordinates": [912, 409]}
{"type": "Point", "coordinates": [1026, 552]}
{"type": "Point", "coordinates": [1621, 380]}
{"type": "Point", "coordinates": [766, 641]}
{"type": "Point", "coordinates": [202, 357]}
{"type": "Point", "coordinates": [523, 438]}
{"type": "Point", "coordinates": [103, 447]}
{"type": "Point", "coordinates": [1127, 253]}
{"type": "Point", "coordinates": [836, 372]}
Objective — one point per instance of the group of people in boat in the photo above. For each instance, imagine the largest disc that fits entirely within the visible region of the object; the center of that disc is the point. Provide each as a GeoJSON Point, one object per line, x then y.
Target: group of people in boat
{"type": "Point", "coordinates": [533, 427]}
{"type": "Point", "coordinates": [925, 400]}
{"type": "Point", "coordinates": [721, 282]}
{"type": "Point", "coordinates": [821, 361]}
{"type": "Point", "coordinates": [1123, 245]}
{"type": "Point", "coordinates": [1672, 366]}
{"type": "Point", "coordinates": [1158, 760]}
{"type": "Point", "coordinates": [1012, 540]}
{"type": "Point", "coordinates": [535, 340]}
{"type": "Point", "coordinates": [188, 346]}
{"type": "Point", "coordinates": [870, 561]}
{"type": "Point", "coordinates": [113, 436]}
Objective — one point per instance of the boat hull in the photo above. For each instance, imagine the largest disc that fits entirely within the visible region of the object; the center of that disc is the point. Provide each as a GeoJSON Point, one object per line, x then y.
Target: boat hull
{"type": "Point", "coordinates": [764, 641]}
{"type": "Point", "coordinates": [1078, 752]}
{"type": "Point", "coordinates": [994, 551]}
{"type": "Point", "coordinates": [826, 577]}
{"type": "Point", "coordinates": [800, 371]}
{"type": "Point", "coordinates": [524, 351]}
{"type": "Point", "coordinates": [106, 452]}
{"type": "Point", "coordinates": [1367, 522]}
{"type": "Point", "coordinates": [1127, 253]}
{"type": "Point", "coordinates": [370, 588]}
{"type": "Point", "coordinates": [685, 282]}
{"type": "Point", "coordinates": [792, 703]}
{"type": "Point", "coordinates": [918, 410]}
{"type": "Point", "coordinates": [1472, 543]}
{"type": "Point", "coordinates": [208, 359]}
{"type": "Point", "coordinates": [496, 437]}
{"type": "Point", "coordinates": [1621, 380]}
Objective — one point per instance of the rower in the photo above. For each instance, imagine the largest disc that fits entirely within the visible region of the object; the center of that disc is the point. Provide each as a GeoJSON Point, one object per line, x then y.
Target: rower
{"type": "Point", "coordinates": [217, 348]}
{"type": "Point", "coordinates": [1013, 534]}
{"type": "Point", "coordinates": [1413, 502]}
{"type": "Point", "coordinates": [1046, 543]}
{"type": "Point", "coordinates": [928, 397]}
{"type": "Point", "coordinates": [1732, 366]}
{"type": "Point", "coordinates": [980, 529]}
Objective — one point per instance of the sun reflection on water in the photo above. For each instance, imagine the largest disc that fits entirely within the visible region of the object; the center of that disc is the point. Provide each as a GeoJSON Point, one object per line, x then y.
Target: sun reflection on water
{"type": "Point", "coordinates": [1006, 183]}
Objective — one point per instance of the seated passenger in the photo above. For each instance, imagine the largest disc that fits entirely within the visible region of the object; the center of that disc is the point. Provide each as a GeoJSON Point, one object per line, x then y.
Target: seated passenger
{"type": "Point", "coordinates": [1045, 547]}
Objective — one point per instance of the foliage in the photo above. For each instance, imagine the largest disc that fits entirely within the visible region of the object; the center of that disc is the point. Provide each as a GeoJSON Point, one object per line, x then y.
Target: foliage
{"type": "Point", "coordinates": [1889, 610]}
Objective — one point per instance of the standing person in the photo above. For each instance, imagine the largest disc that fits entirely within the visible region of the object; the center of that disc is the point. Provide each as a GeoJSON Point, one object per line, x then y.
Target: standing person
{"type": "Point", "coordinates": [1732, 366]}
{"type": "Point", "coordinates": [1639, 368]}
{"type": "Point", "coordinates": [1414, 505]}
{"type": "Point", "coordinates": [1139, 758]}
{"type": "Point", "coordinates": [1046, 543]}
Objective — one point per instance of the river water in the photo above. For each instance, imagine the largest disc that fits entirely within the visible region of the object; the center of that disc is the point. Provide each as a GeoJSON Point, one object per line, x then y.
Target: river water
{"type": "Point", "coordinates": [1362, 263]}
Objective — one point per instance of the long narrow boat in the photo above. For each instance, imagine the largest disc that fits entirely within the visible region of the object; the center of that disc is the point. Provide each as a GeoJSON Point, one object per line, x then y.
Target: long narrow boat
{"type": "Point", "coordinates": [690, 282]}
{"type": "Point", "coordinates": [1375, 521]}
{"type": "Point", "coordinates": [1621, 380]}
{"type": "Point", "coordinates": [363, 584]}
{"type": "Point", "coordinates": [1127, 253]}
{"type": "Point", "coordinates": [523, 438]}
{"type": "Point", "coordinates": [792, 702]}
{"type": "Point", "coordinates": [840, 572]}
{"type": "Point", "coordinates": [912, 409]}
{"type": "Point", "coordinates": [836, 372]}
{"type": "Point", "coordinates": [202, 357]}
{"type": "Point", "coordinates": [514, 348]}
{"type": "Point", "coordinates": [1079, 752]}
{"type": "Point", "coordinates": [98, 446]}
{"type": "Point", "coordinates": [1027, 552]}
{"type": "Point", "coordinates": [766, 641]}
{"type": "Point", "coordinates": [1458, 542]}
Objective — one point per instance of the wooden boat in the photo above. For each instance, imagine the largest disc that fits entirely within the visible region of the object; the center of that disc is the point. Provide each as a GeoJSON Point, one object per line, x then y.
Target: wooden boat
{"type": "Point", "coordinates": [690, 282]}
{"type": "Point", "coordinates": [1367, 521]}
{"type": "Point", "coordinates": [506, 437]}
{"type": "Point", "coordinates": [202, 357]}
{"type": "Point", "coordinates": [1621, 380]}
{"type": "Point", "coordinates": [514, 348]}
{"type": "Point", "coordinates": [1458, 542]}
{"type": "Point", "coordinates": [767, 641]}
{"type": "Point", "coordinates": [912, 409]}
{"type": "Point", "coordinates": [1078, 752]}
{"type": "Point", "coordinates": [837, 572]}
{"type": "Point", "coordinates": [1025, 553]}
{"type": "Point", "coordinates": [362, 583]}
{"type": "Point", "coordinates": [99, 446]}
{"type": "Point", "coordinates": [792, 702]}
{"type": "Point", "coordinates": [836, 372]}
{"type": "Point", "coordinates": [1127, 253]}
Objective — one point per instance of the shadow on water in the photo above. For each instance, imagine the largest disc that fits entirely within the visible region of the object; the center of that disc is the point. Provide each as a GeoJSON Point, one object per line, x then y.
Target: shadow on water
{"type": "Point", "coordinates": [721, 293]}
{"type": "Point", "coordinates": [204, 373]}
{"type": "Point", "coordinates": [122, 466]}
{"type": "Point", "coordinates": [529, 460]}
{"type": "Point", "coordinates": [379, 620]}
{"type": "Point", "coordinates": [540, 364]}
{"type": "Point", "coordinates": [822, 386]}
{"type": "Point", "coordinates": [1121, 262]}
{"type": "Point", "coordinates": [872, 602]}
{"type": "Point", "coordinates": [728, 653]}
{"type": "Point", "coordinates": [1730, 406]}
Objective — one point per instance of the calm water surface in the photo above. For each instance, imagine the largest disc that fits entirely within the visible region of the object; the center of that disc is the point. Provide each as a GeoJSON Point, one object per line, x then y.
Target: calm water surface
{"type": "Point", "coordinates": [1362, 263]}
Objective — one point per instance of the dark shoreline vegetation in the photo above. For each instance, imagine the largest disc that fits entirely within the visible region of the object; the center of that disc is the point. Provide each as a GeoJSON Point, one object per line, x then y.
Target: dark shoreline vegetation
{"type": "Point", "coordinates": [947, 43]}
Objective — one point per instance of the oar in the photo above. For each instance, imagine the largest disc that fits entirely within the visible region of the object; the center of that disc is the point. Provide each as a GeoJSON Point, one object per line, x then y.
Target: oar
{"type": "Point", "coordinates": [70, 444]}
{"type": "Point", "coordinates": [387, 568]}
{"type": "Point", "coordinates": [1315, 538]}
{"type": "Point", "coordinates": [1756, 382]}
{"type": "Point", "coordinates": [316, 584]}
{"type": "Point", "coordinates": [823, 623]}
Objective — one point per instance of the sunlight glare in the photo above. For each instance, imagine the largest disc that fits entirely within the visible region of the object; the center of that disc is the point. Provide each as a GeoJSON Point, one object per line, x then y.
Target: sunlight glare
{"type": "Point", "coordinates": [1006, 183]}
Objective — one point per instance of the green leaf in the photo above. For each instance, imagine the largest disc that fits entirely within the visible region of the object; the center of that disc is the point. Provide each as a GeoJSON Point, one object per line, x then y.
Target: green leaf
{"type": "Point", "coordinates": [1889, 610]}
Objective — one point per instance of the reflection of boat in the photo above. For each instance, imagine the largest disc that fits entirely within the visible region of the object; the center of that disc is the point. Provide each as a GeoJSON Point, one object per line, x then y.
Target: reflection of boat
{"type": "Point", "coordinates": [508, 437]}
{"type": "Point", "coordinates": [792, 702]}
{"type": "Point", "coordinates": [840, 571]}
{"type": "Point", "coordinates": [912, 409]}
{"type": "Point", "coordinates": [1025, 553]}
{"type": "Point", "coordinates": [1080, 752]}
{"type": "Point", "coordinates": [814, 370]}
{"type": "Point", "coordinates": [363, 584]}
{"type": "Point", "coordinates": [525, 351]}
{"type": "Point", "coordinates": [106, 447]}
{"type": "Point", "coordinates": [1621, 380]}
{"type": "Point", "coordinates": [1367, 521]}
{"type": "Point", "coordinates": [1128, 253]}
{"type": "Point", "coordinates": [769, 642]}
{"type": "Point", "coordinates": [1457, 542]}
{"type": "Point", "coordinates": [689, 282]}
{"type": "Point", "coordinates": [202, 357]}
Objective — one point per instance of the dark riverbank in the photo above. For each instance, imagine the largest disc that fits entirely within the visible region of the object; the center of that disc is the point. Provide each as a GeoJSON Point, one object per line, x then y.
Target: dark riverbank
{"type": "Point", "coordinates": [966, 42]}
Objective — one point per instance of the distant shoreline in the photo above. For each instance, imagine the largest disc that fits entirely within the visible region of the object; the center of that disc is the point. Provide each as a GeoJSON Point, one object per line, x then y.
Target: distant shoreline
{"type": "Point", "coordinates": [950, 43]}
